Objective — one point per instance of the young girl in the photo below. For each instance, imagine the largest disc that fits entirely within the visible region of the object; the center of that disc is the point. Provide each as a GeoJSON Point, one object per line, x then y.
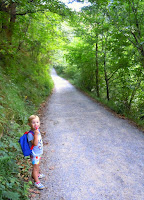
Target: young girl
{"type": "Point", "coordinates": [35, 139]}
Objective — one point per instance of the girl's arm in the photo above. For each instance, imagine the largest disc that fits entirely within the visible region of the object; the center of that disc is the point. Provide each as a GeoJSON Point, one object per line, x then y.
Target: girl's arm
{"type": "Point", "coordinates": [35, 140]}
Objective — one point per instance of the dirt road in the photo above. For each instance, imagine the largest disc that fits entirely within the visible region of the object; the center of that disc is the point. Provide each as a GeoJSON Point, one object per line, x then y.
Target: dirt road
{"type": "Point", "coordinates": [92, 154]}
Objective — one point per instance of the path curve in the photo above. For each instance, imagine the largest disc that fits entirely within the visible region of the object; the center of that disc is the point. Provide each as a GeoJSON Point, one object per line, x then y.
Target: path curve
{"type": "Point", "coordinates": [92, 154]}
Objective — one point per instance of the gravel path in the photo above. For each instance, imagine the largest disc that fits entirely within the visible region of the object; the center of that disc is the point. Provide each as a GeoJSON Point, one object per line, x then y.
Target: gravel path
{"type": "Point", "coordinates": [91, 154]}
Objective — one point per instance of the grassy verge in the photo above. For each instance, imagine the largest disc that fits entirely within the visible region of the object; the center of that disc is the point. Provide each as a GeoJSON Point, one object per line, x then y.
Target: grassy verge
{"type": "Point", "coordinates": [19, 98]}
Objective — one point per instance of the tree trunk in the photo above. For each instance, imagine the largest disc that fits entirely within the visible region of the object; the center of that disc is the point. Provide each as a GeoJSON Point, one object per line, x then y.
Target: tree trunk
{"type": "Point", "coordinates": [97, 70]}
{"type": "Point", "coordinates": [12, 12]}
{"type": "Point", "coordinates": [133, 94]}
{"type": "Point", "coordinates": [105, 71]}
{"type": "Point", "coordinates": [9, 17]}
{"type": "Point", "coordinates": [142, 56]}
{"type": "Point", "coordinates": [106, 78]}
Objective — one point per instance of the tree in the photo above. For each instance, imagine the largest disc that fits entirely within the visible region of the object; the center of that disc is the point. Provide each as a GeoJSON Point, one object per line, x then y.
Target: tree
{"type": "Point", "coordinates": [128, 18]}
{"type": "Point", "coordinates": [11, 9]}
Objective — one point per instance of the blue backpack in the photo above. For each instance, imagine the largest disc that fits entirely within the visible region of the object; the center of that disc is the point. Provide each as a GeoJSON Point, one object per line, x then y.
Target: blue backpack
{"type": "Point", "coordinates": [25, 145]}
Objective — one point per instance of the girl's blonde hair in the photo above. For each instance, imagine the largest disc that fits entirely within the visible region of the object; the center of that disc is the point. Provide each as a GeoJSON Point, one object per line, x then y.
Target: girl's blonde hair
{"type": "Point", "coordinates": [32, 117]}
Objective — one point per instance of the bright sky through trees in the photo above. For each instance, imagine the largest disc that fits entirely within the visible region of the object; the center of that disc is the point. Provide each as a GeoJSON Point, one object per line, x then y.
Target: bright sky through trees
{"type": "Point", "coordinates": [75, 5]}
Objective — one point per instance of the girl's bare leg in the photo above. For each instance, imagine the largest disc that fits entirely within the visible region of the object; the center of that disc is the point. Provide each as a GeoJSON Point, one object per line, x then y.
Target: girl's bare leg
{"type": "Point", "coordinates": [35, 172]}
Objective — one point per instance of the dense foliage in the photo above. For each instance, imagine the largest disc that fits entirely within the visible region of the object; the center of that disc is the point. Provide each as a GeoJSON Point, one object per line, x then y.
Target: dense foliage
{"type": "Point", "coordinates": [106, 55]}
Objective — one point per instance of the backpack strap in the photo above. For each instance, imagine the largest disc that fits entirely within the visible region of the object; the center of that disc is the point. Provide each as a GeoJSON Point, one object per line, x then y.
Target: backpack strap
{"type": "Point", "coordinates": [32, 147]}
{"type": "Point", "coordinates": [31, 132]}
{"type": "Point", "coordinates": [33, 135]}
{"type": "Point", "coordinates": [26, 132]}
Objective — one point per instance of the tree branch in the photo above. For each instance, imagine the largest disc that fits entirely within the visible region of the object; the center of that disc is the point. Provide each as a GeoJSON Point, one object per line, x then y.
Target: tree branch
{"type": "Point", "coordinates": [28, 12]}
{"type": "Point", "coordinates": [113, 74]}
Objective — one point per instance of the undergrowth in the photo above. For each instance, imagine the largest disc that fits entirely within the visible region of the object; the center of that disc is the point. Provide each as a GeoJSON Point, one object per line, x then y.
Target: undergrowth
{"type": "Point", "coordinates": [21, 94]}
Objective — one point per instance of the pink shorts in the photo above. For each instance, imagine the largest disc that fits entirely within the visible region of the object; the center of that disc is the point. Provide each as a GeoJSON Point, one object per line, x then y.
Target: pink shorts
{"type": "Point", "coordinates": [35, 159]}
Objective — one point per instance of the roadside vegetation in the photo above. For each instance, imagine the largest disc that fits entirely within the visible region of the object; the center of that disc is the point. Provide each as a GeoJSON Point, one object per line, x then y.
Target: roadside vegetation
{"type": "Point", "coordinates": [22, 91]}
{"type": "Point", "coordinates": [20, 97]}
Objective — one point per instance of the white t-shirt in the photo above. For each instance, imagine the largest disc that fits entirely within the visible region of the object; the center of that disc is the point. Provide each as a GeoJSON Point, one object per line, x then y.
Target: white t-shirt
{"type": "Point", "coordinates": [37, 150]}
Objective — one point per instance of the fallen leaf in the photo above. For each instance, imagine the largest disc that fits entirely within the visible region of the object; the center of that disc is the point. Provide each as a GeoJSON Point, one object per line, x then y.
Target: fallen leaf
{"type": "Point", "coordinates": [34, 191]}
{"type": "Point", "coordinates": [37, 192]}
{"type": "Point", "coordinates": [45, 143]}
{"type": "Point", "coordinates": [51, 168]}
{"type": "Point", "coordinates": [31, 190]}
{"type": "Point", "coordinates": [33, 195]}
{"type": "Point", "coordinates": [43, 132]}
